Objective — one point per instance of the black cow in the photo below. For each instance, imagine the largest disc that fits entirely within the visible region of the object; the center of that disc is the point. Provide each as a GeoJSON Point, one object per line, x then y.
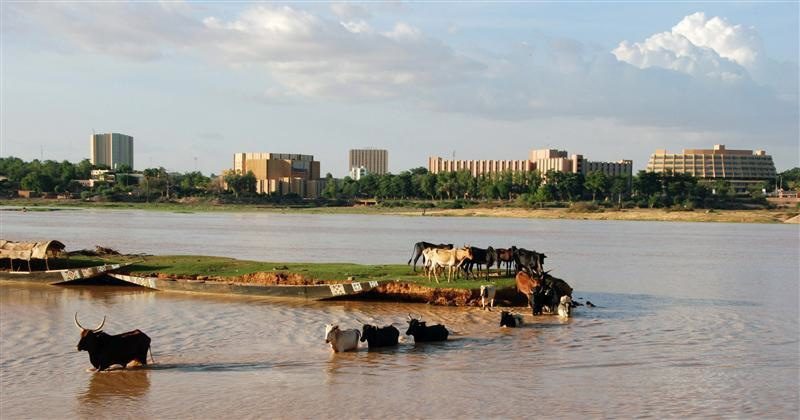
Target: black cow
{"type": "Point", "coordinates": [419, 247]}
{"type": "Point", "coordinates": [106, 350]}
{"type": "Point", "coordinates": [480, 257]}
{"type": "Point", "coordinates": [505, 255]}
{"type": "Point", "coordinates": [531, 261]}
{"type": "Point", "coordinates": [423, 333]}
{"type": "Point", "coordinates": [510, 320]}
{"type": "Point", "coordinates": [379, 337]}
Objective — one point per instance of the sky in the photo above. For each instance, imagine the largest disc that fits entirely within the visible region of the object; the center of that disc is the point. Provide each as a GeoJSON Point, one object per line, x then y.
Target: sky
{"type": "Point", "coordinates": [196, 82]}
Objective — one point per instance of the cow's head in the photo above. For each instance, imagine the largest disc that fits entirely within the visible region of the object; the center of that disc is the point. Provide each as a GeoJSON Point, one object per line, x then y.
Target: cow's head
{"type": "Point", "coordinates": [330, 332]}
{"type": "Point", "coordinates": [414, 325]}
{"type": "Point", "coordinates": [368, 330]}
{"type": "Point", "coordinates": [88, 341]}
{"type": "Point", "coordinates": [506, 319]}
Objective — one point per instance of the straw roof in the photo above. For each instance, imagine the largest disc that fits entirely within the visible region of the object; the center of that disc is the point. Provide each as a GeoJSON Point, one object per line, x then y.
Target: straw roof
{"type": "Point", "coordinates": [30, 250]}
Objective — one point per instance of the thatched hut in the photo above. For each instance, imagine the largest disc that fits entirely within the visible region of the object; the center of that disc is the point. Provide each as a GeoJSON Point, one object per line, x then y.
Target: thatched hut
{"type": "Point", "coordinates": [28, 251]}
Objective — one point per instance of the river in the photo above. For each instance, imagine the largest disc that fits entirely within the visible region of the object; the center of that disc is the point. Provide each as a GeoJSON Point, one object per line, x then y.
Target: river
{"type": "Point", "coordinates": [693, 319]}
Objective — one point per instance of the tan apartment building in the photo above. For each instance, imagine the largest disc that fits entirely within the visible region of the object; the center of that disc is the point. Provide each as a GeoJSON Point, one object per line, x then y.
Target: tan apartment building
{"type": "Point", "coordinates": [478, 167]}
{"type": "Point", "coordinates": [542, 160]}
{"type": "Point", "coordinates": [111, 149]}
{"type": "Point", "coordinates": [376, 161]}
{"type": "Point", "coordinates": [741, 168]}
{"type": "Point", "coordinates": [281, 173]}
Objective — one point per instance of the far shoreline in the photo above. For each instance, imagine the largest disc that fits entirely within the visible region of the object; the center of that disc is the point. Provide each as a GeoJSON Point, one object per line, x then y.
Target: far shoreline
{"type": "Point", "coordinates": [761, 216]}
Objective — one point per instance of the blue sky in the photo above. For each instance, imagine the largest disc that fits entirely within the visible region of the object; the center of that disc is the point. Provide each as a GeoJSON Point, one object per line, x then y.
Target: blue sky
{"type": "Point", "coordinates": [196, 82]}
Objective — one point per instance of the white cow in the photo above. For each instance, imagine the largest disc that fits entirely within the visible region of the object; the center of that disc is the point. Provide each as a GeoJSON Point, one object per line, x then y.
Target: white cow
{"type": "Point", "coordinates": [341, 340]}
{"type": "Point", "coordinates": [565, 306]}
{"type": "Point", "coordinates": [488, 292]}
{"type": "Point", "coordinates": [447, 258]}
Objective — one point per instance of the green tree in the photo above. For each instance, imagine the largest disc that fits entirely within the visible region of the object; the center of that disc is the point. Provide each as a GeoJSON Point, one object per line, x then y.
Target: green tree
{"type": "Point", "coordinates": [596, 182]}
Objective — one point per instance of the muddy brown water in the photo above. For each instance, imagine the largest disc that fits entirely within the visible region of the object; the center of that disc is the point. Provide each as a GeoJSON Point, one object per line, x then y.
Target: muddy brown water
{"type": "Point", "coordinates": [696, 320]}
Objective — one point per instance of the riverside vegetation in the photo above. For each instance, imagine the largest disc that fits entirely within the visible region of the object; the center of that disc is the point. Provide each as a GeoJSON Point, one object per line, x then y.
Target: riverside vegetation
{"type": "Point", "coordinates": [451, 193]}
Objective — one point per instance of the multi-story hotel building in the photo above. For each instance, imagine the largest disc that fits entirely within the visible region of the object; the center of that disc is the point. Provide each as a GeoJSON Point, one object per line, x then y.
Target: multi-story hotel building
{"type": "Point", "coordinates": [542, 160]}
{"type": "Point", "coordinates": [282, 173]}
{"type": "Point", "coordinates": [111, 149]}
{"type": "Point", "coordinates": [375, 160]}
{"type": "Point", "coordinates": [478, 167]}
{"type": "Point", "coordinates": [740, 167]}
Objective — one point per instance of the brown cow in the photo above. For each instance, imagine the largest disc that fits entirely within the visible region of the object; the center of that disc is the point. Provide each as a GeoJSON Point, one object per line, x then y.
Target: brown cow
{"type": "Point", "coordinates": [505, 256]}
{"type": "Point", "coordinates": [526, 285]}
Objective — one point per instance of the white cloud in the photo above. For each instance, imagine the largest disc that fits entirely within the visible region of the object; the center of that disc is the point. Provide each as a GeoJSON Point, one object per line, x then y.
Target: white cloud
{"type": "Point", "coordinates": [696, 46]}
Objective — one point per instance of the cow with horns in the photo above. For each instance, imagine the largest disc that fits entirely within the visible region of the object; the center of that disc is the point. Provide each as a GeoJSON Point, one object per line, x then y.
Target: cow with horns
{"type": "Point", "coordinates": [379, 337]}
{"type": "Point", "coordinates": [106, 350]}
{"type": "Point", "coordinates": [423, 333]}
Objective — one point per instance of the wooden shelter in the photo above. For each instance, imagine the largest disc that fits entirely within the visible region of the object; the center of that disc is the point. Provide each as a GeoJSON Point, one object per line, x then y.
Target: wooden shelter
{"type": "Point", "coordinates": [28, 251]}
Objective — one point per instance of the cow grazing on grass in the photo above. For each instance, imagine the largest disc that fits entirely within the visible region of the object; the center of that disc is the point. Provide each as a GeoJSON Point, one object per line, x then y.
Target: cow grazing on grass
{"type": "Point", "coordinates": [510, 320]}
{"type": "Point", "coordinates": [379, 337]}
{"type": "Point", "coordinates": [106, 350]}
{"type": "Point", "coordinates": [423, 333]}
{"type": "Point", "coordinates": [531, 261]}
{"type": "Point", "coordinates": [488, 292]}
{"type": "Point", "coordinates": [416, 253]}
{"type": "Point", "coordinates": [341, 340]}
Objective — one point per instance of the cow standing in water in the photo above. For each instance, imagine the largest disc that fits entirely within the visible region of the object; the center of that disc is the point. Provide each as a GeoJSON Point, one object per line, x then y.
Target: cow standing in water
{"type": "Point", "coordinates": [106, 350]}
{"type": "Point", "coordinates": [379, 337]}
{"type": "Point", "coordinates": [341, 340]}
{"type": "Point", "coordinates": [423, 333]}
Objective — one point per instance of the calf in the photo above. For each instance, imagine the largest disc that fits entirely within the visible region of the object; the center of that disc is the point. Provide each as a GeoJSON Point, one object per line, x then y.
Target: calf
{"type": "Point", "coordinates": [423, 333]}
{"type": "Point", "coordinates": [510, 320]}
{"type": "Point", "coordinates": [379, 337]}
{"type": "Point", "coordinates": [565, 306]}
{"type": "Point", "coordinates": [341, 340]}
{"type": "Point", "coordinates": [106, 350]}
{"type": "Point", "coordinates": [488, 292]}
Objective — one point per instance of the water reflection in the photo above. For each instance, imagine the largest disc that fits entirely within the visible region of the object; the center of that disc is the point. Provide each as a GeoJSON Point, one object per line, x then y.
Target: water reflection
{"type": "Point", "coordinates": [105, 388]}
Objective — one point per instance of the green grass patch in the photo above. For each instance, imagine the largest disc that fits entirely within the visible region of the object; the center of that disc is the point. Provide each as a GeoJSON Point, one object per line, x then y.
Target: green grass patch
{"type": "Point", "coordinates": [194, 265]}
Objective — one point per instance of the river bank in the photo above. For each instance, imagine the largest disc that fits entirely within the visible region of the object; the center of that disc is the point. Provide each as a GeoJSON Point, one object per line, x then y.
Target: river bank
{"type": "Point", "coordinates": [398, 282]}
{"type": "Point", "coordinates": [576, 213]}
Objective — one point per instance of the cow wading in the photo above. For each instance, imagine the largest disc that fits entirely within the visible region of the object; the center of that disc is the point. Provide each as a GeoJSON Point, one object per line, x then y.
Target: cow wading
{"type": "Point", "coordinates": [107, 350]}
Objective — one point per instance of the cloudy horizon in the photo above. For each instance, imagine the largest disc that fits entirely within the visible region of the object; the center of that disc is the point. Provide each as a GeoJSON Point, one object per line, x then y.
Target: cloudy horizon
{"type": "Point", "coordinates": [196, 82]}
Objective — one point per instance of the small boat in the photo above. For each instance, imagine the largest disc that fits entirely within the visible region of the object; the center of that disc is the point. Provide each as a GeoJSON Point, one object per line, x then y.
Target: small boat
{"type": "Point", "coordinates": [59, 277]}
{"type": "Point", "coordinates": [313, 292]}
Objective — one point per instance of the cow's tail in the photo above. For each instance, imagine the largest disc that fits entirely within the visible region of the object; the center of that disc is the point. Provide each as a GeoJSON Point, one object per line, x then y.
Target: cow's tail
{"type": "Point", "coordinates": [151, 354]}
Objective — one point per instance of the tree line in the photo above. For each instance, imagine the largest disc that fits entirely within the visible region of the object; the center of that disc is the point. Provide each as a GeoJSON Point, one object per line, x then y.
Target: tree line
{"type": "Point", "coordinates": [644, 189]}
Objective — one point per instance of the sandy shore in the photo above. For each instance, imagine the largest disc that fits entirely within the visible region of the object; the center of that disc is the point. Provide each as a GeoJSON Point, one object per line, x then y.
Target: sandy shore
{"type": "Point", "coordinates": [726, 216]}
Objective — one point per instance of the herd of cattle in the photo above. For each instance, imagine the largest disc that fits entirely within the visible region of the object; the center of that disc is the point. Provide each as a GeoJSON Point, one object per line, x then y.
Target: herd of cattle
{"type": "Point", "coordinates": [458, 261]}
{"type": "Point", "coordinates": [544, 293]}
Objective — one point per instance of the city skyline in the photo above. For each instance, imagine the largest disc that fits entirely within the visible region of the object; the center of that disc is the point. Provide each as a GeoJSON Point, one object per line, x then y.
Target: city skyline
{"type": "Point", "coordinates": [487, 80]}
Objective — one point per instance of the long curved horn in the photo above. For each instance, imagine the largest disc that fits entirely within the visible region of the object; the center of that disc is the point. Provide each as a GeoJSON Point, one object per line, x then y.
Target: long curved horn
{"type": "Point", "coordinates": [78, 323]}
{"type": "Point", "coordinates": [100, 327]}
{"type": "Point", "coordinates": [409, 317]}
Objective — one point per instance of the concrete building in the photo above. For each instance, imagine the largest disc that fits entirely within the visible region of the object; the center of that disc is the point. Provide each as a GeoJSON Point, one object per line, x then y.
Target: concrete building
{"type": "Point", "coordinates": [478, 167]}
{"type": "Point", "coordinates": [282, 173]}
{"type": "Point", "coordinates": [357, 173]}
{"type": "Point", "coordinates": [542, 160]}
{"type": "Point", "coordinates": [741, 168]}
{"type": "Point", "coordinates": [375, 160]}
{"type": "Point", "coordinates": [111, 149]}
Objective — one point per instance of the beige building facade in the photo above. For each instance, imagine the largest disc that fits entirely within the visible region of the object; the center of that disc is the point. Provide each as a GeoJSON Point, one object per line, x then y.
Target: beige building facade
{"type": "Point", "coordinates": [740, 167]}
{"type": "Point", "coordinates": [111, 149]}
{"type": "Point", "coordinates": [376, 161]}
{"type": "Point", "coordinates": [542, 160]}
{"type": "Point", "coordinates": [281, 173]}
